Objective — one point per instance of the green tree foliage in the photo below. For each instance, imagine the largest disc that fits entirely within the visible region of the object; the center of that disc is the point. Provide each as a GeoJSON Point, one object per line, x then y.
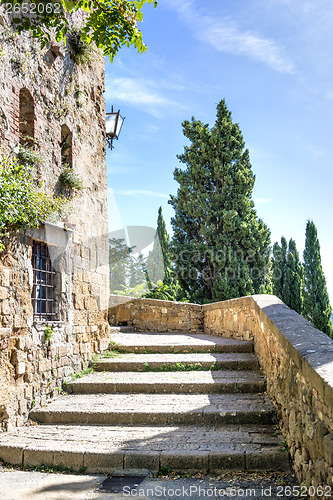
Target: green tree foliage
{"type": "Point", "coordinates": [279, 261]}
{"type": "Point", "coordinates": [119, 260]}
{"type": "Point", "coordinates": [317, 307]}
{"type": "Point", "coordinates": [137, 291]}
{"type": "Point", "coordinates": [161, 282]}
{"type": "Point", "coordinates": [127, 272]}
{"type": "Point", "coordinates": [160, 292]}
{"type": "Point", "coordinates": [155, 264]}
{"type": "Point", "coordinates": [158, 261]}
{"type": "Point", "coordinates": [110, 24]}
{"type": "Point", "coordinates": [137, 271]}
{"type": "Point", "coordinates": [23, 203]}
{"type": "Point", "coordinates": [292, 294]}
{"type": "Point", "coordinates": [220, 246]}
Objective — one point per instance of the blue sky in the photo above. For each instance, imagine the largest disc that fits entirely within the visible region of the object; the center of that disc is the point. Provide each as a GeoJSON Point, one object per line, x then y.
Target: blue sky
{"type": "Point", "coordinates": [272, 62]}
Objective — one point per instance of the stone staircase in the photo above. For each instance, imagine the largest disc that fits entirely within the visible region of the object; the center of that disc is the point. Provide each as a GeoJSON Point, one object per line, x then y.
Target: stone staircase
{"type": "Point", "coordinates": [182, 402]}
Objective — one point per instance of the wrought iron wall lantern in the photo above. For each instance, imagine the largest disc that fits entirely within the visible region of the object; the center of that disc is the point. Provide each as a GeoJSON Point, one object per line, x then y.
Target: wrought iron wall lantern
{"type": "Point", "coordinates": [114, 122]}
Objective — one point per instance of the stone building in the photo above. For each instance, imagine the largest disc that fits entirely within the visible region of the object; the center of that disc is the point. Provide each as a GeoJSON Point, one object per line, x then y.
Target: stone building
{"type": "Point", "coordinates": [54, 279]}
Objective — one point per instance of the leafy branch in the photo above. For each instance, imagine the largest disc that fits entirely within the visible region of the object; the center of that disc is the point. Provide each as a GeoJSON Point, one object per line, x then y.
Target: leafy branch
{"type": "Point", "coordinates": [23, 203]}
{"type": "Point", "coordinates": [110, 24]}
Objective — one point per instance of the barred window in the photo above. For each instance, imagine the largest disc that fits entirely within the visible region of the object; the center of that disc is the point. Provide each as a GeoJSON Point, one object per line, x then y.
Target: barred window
{"type": "Point", "coordinates": [43, 300]}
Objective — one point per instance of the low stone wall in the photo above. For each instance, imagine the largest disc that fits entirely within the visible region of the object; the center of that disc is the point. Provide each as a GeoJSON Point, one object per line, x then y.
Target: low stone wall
{"type": "Point", "coordinates": [297, 361]}
{"type": "Point", "coordinates": [155, 315]}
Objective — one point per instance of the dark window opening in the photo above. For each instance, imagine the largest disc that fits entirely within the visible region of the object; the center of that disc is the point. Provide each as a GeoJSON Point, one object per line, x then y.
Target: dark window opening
{"type": "Point", "coordinates": [66, 146]}
{"type": "Point", "coordinates": [50, 57]}
{"type": "Point", "coordinates": [43, 297]}
{"type": "Point", "coordinates": [27, 118]}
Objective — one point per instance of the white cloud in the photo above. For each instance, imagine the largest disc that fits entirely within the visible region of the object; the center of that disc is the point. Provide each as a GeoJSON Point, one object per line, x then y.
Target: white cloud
{"type": "Point", "coordinates": [141, 193]}
{"type": "Point", "coordinates": [329, 94]}
{"type": "Point", "coordinates": [316, 151]}
{"type": "Point", "coordinates": [229, 38]}
{"type": "Point", "coordinates": [138, 92]}
{"type": "Point", "coordinates": [224, 35]}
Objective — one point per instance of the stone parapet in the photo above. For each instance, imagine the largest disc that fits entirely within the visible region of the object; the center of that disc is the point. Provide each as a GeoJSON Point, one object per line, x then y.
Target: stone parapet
{"type": "Point", "coordinates": [155, 315]}
{"type": "Point", "coordinates": [296, 358]}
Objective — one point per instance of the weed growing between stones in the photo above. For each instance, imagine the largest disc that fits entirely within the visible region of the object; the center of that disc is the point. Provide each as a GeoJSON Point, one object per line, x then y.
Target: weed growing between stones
{"type": "Point", "coordinates": [70, 179]}
{"type": "Point", "coordinates": [60, 391]}
{"type": "Point", "coordinates": [50, 469]}
{"type": "Point", "coordinates": [164, 471]}
{"type": "Point", "coordinates": [81, 374]}
{"type": "Point", "coordinates": [244, 478]}
{"type": "Point", "coordinates": [110, 354]}
{"type": "Point", "coordinates": [83, 53]}
{"type": "Point", "coordinates": [75, 376]}
{"type": "Point", "coordinates": [48, 333]}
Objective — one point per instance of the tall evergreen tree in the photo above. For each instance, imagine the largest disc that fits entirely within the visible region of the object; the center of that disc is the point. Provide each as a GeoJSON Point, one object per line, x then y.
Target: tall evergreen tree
{"type": "Point", "coordinates": [317, 307]}
{"type": "Point", "coordinates": [119, 260]}
{"type": "Point", "coordinates": [279, 261]}
{"type": "Point", "coordinates": [293, 279]}
{"type": "Point", "coordinates": [158, 261]}
{"type": "Point", "coordinates": [137, 271]}
{"type": "Point", "coordinates": [155, 264]}
{"type": "Point", "coordinates": [220, 245]}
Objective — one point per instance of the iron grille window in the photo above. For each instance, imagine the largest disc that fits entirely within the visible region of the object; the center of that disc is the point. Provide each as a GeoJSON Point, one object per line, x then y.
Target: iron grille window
{"type": "Point", "coordinates": [43, 287]}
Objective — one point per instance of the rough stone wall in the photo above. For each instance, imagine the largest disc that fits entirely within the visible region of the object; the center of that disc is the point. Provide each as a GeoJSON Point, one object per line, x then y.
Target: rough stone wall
{"type": "Point", "coordinates": [297, 361]}
{"type": "Point", "coordinates": [155, 315]}
{"type": "Point", "coordinates": [64, 93]}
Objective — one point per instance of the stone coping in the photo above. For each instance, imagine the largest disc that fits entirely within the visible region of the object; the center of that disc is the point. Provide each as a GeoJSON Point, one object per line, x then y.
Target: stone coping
{"type": "Point", "coordinates": [115, 300]}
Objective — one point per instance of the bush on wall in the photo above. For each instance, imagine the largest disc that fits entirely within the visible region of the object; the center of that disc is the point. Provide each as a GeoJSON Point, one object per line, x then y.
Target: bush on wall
{"type": "Point", "coordinates": [23, 203]}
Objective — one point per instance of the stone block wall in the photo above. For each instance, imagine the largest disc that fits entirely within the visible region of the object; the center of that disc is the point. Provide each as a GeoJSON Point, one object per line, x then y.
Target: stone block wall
{"type": "Point", "coordinates": [297, 361]}
{"type": "Point", "coordinates": [53, 93]}
{"type": "Point", "coordinates": [155, 315]}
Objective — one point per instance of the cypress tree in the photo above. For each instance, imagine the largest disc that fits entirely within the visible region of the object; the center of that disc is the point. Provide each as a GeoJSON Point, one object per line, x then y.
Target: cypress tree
{"type": "Point", "coordinates": [293, 279]}
{"type": "Point", "coordinates": [155, 264]}
{"type": "Point", "coordinates": [119, 260]}
{"type": "Point", "coordinates": [317, 307]}
{"type": "Point", "coordinates": [137, 271]}
{"type": "Point", "coordinates": [220, 246]}
{"type": "Point", "coordinates": [158, 261]}
{"type": "Point", "coordinates": [279, 261]}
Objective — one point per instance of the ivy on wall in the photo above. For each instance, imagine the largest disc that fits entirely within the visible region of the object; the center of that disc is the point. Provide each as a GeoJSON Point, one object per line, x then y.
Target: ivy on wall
{"type": "Point", "coordinates": [23, 202]}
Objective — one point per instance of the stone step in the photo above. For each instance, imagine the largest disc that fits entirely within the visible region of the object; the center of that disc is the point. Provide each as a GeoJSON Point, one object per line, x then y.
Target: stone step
{"type": "Point", "coordinates": [156, 409]}
{"type": "Point", "coordinates": [176, 362]}
{"type": "Point", "coordinates": [107, 449]}
{"type": "Point", "coordinates": [196, 382]}
{"type": "Point", "coordinates": [142, 342]}
{"type": "Point", "coordinates": [121, 329]}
